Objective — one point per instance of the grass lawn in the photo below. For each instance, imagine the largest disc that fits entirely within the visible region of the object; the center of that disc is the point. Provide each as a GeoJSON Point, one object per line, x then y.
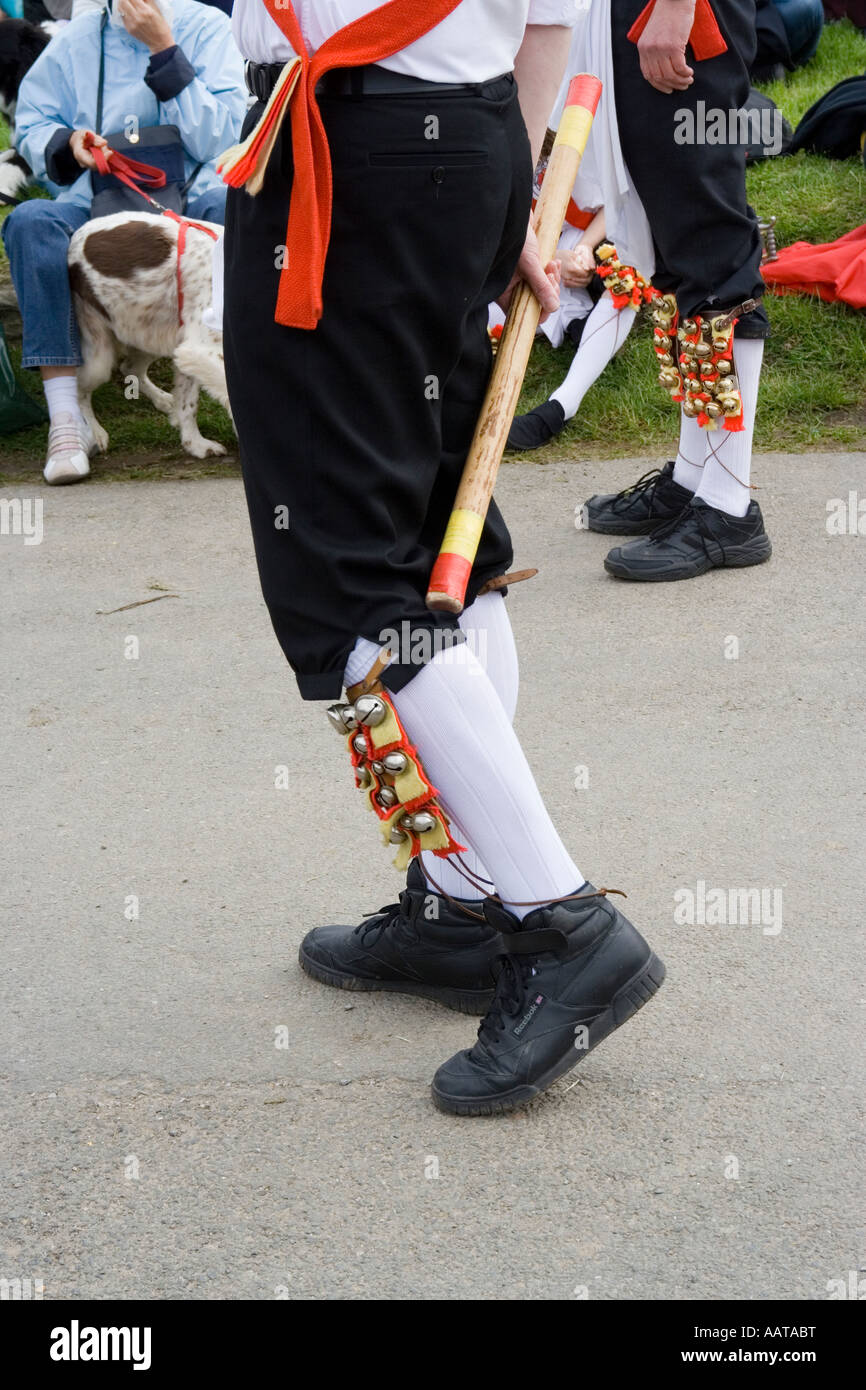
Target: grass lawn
{"type": "Point", "coordinates": [813, 392]}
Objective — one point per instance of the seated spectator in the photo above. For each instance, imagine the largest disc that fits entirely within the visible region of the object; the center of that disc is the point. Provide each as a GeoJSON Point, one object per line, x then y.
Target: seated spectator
{"type": "Point", "coordinates": [788, 36]}
{"type": "Point", "coordinates": [165, 64]}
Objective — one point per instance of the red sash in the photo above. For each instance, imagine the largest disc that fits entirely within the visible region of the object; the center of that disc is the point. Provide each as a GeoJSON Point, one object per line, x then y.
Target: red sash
{"type": "Point", "coordinates": [379, 34]}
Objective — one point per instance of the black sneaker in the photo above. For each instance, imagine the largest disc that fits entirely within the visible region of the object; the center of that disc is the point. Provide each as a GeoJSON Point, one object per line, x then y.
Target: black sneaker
{"type": "Point", "coordinates": [537, 427]}
{"type": "Point", "coordinates": [573, 972]}
{"type": "Point", "coordinates": [701, 538]}
{"type": "Point", "coordinates": [654, 498]}
{"type": "Point", "coordinates": [421, 945]}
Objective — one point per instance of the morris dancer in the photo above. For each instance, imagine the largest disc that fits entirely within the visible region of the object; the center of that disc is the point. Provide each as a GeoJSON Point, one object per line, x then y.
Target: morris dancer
{"type": "Point", "coordinates": [695, 513]}
{"type": "Point", "coordinates": [607, 258]}
{"type": "Point", "coordinates": [357, 358]}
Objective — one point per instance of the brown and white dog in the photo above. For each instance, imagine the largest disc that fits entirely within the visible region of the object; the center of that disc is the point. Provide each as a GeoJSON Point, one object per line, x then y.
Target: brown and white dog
{"type": "Point", "coordinates": [123, 272]}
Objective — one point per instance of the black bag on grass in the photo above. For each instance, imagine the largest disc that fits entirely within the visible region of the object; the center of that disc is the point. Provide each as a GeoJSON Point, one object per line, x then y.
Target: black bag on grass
{"type": "Point", "coordinates": [17, 410]}
{"type": "Point", "coordinates": [836, 124]}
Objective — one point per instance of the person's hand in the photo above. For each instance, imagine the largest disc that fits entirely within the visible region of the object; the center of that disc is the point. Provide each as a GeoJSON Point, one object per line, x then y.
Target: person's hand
{"type": "Point", "coordinates": [542, 280]}
{"type": "Point", "coordinates": [578, 267]}
{"type": "Point", "coordinates": [80, 153]}
{"type": "Point", "coordinates": [662, 46]}
{"type": "Point", "coordinates": [144, 22]}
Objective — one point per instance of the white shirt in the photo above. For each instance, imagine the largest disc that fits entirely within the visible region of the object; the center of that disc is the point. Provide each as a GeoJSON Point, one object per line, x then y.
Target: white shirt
{"type": "Point", "coordinates": [477, 41]}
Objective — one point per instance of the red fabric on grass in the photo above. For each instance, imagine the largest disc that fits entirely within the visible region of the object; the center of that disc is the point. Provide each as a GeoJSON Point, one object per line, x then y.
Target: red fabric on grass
{"type": "Point", "coordinates": [835, 270]}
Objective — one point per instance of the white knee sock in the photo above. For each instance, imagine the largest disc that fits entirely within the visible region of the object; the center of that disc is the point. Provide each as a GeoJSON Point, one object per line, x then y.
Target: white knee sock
{"type": "Point", "coordinates": [688, 469]}
{"type": "Point", "coordinates": [453, 715]}
{"type": "Point", "coordinates": [489, 635]}
{"type": "Point", "coordinates": [728, 457]}
{"type": "Point", "coordinates": [61, 397]}
{"type": "Point", "coordinates": [606, 330]}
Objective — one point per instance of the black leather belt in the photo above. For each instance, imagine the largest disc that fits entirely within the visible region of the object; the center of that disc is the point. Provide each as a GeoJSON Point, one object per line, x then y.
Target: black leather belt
{"type": "Point", "coordinates": [371, 80]}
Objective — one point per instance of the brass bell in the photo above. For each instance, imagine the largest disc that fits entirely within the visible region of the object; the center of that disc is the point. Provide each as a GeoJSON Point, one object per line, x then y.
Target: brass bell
{"type": "Point", "coordinates": [422, 821]}
{"type": "Point", "coordinates": [395, 763]}
{"type": "Point", "coordinates": [666, 359]}
{"type": "Point", "coordinates": [721, 344]}
{"type": "Point", "coordinates": [396, 837]}
{"type": "Point", "coordinates": [662, 341]}
{"type": "Point", "coordinates": [689, 326]}
{"type": "Point", "coordinates": [347, 714]}
{"type": "Point", "coordinates": [689, 410]}
{"type": "Point", "coordinates": [731, 384]}
{"type": "Point", "coordinates": [724, 366]}
{"type": "Point", "coordinates": [335, 714]}
{"type": "Point", "coordinates": [359, 743]}
{"type": "Point", "coordinates": [363, 776]}
{"type": "Point", "coordinates": [712, 409]}
{"type": "Point", "coordinates": [406, 822]}
{"type": "Point", "coordinates": [386, 796]}
{"type": "Point", "coordinates": [703, 350]}
{"type": "Point", "coordinates": [370, 710]}
{"type": "Point", "coordinates": [377, 767]}
{"type": "Point", "coordinates": [730, 404]}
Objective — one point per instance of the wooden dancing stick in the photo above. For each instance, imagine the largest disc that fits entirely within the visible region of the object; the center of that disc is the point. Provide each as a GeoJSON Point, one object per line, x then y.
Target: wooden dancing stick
{"type": "Point", "coordinates": [453, 567]}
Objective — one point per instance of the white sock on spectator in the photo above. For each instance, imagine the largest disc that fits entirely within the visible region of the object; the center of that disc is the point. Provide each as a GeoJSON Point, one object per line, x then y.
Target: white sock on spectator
{"type": "Point", "coordinates": [61, 396]}
{"type": "Point", "coordinates": [728, 458]}
{"type": "Point", "coordinates": [606, 330]}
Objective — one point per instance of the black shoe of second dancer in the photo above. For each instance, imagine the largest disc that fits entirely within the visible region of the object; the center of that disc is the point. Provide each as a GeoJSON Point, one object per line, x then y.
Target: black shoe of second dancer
{"type": "Point", "coordinates": [638, 509]}
{"type": "Point", "coordinates": [574, 971]}
{"type": "Point", "coordinates": [701, 538]}
{"type": "Point", "coordinates": [537, 427]}
{"type": "Point", "coordinates": [423, 945]}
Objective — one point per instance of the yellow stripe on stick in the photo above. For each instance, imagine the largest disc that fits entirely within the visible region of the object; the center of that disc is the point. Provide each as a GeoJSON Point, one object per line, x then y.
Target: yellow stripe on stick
{"type": "Point", "coordinates": [574, 127]}
{"type": "Point", "coordinates": [463, 534]}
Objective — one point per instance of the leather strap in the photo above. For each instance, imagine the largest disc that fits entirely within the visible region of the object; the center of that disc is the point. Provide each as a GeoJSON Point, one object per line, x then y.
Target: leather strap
{"type": "Point", "coordinates": [502, 581]}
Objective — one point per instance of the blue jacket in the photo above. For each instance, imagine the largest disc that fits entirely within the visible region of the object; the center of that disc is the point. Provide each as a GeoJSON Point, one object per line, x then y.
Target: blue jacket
{"type": "Point", "coordinates": [197, 86]}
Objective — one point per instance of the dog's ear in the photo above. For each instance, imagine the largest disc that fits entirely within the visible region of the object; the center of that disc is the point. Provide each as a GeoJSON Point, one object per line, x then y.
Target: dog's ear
{"type": "Point", "coordinates": [33, 41]}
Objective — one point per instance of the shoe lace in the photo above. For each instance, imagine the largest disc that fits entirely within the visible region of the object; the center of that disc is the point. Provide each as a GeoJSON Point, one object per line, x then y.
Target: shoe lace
{"type": "Point", "coordinates": [376, 922]}
{"type": "Point", "coordinates": [648, 482]}
{"type": "Point", "coordinates": [514, 975]}
{"type": "Point", "coordinates": [692, 516]}
{"type": "Point", "coordinates": [65, 438]}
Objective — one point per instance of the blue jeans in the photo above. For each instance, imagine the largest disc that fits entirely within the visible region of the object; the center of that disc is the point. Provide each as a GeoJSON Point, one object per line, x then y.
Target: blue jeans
{"type": "Point", "coordinates": [804, 22]}
{"type": "Point", "coordinates": [36, 235]}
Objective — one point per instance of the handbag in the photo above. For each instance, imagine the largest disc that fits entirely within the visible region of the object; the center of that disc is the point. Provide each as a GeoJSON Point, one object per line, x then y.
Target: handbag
{"type": "Point", "coordinates": [18, 410]}
{"type": "Point", "coordinates": [157, 145]}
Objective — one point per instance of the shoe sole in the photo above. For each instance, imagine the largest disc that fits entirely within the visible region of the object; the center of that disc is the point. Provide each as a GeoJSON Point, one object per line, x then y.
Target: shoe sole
{"type": "Point", "coordinates": [754, 552]}
{"type": "Point", "coordinates": [64, 479]}
{"type": "Point", "coordinates": [617, 528]}
{"type": "Point", "coordinates": [464, 1001]}
{"type": "Point", "coordinates": [624, 1005]}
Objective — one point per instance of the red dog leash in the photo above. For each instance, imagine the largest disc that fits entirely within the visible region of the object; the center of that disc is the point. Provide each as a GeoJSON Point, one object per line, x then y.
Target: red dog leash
{"type": "Point", "coordinates": [139, 176]}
